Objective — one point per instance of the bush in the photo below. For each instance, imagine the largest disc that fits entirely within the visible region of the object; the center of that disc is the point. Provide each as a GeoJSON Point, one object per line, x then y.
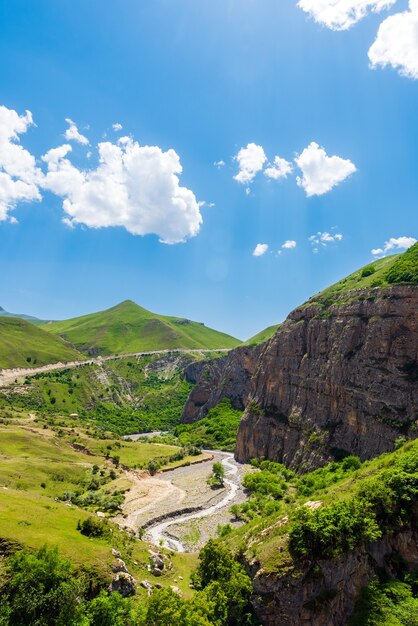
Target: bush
{"type": "Point", "coordinates": [94, 527]}
{"type": "Point", "coordinates": [332, 530]}
{"type": "Point", "coordinates": [405, 269]}
{"type": "Point", "coordinates": [368, 271]}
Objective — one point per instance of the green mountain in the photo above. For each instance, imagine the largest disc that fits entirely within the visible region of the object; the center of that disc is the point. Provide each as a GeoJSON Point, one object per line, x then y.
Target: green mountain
{"type": "Point", "coordinates": [28, 318]}
{"type": "Point", "coordinates": [24, 345]}
{"type": "Point", "coordinates": [128, 327]}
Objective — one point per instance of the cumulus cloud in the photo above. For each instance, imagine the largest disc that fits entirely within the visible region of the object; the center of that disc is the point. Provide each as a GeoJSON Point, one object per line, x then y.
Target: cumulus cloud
{"type": "Point", "coordinates": [72, 133]}
{"type": "Point", "coordinates": [117, 127]}
{"type": "Point", "coordinates": [323, 239]}
{"type": "Point", "coordinates": [394, 244]}
{"type": "Point", "coordinates": [289, 244]}
{"type": "Point", "coordinates": [260, 249]}
{"type": "Point", "coordinates": [19, 176]}
{"type": "Point", "coordinates": [250, 161]}
{"type": "Point", "coordinates": [134, 187]}
{"type": "Point", "coordinates": [320, 173]}
{"type": "Point", "coordinates": [219, 164]}
{"type": "Point", "coordinates": [280, 169]}
{"type": "Point", "coordinates": [396, 43]}
{"type": "Point", "coordinates": [342, 14]}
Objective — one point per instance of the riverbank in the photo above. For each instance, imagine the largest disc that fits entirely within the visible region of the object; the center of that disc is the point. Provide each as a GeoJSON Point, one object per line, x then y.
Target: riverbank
{"type": "Point", "coordinates": [178, 508]}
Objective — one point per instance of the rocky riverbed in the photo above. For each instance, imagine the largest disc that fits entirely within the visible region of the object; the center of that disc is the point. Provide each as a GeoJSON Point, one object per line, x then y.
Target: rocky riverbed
{"type": "Point", "coordinates": [178, 508]}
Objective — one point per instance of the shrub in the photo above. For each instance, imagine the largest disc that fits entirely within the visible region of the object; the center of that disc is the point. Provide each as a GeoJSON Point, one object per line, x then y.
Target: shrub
{"type": "Point", "coordinates": [368, 271]}
{"type": "Point", "coordinates": [94, 527]}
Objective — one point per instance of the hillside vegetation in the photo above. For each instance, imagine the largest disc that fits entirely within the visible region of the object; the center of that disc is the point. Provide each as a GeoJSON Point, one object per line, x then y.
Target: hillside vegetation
{"type": "Point", "coordinates": [24, 345]}
{"type": "Point", "coordinates": [124, 395]}
{"type": "Point", "coordinates": [394, 269]}
{"type": "Point", "coordinates": [128, 328]}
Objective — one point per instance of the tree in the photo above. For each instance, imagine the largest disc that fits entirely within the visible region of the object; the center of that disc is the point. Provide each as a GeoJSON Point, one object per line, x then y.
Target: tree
{"type": "Point", "coordinates": [42, 589]}
{"type": "Point", "coordinates": [218, 474]}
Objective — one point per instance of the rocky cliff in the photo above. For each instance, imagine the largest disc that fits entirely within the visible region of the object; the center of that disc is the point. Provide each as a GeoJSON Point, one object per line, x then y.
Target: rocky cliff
{"type": "Point", "coordinates": [324, 593]}
{"type": "Point", "coordinates": [340, 375]}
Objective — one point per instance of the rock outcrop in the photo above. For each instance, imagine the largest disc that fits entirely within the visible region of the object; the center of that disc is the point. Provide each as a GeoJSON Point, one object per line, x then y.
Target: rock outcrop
{"type": "Point", "coordinates": [227, 377]}
{"type": "Point", "coordinates": [337, 377]}
{"type": "Point", "coordinates": [324, 593]}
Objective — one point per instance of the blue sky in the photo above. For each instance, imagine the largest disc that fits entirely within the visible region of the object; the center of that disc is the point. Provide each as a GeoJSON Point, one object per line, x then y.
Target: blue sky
{"type": "Point", "coordinates": [204, 79]}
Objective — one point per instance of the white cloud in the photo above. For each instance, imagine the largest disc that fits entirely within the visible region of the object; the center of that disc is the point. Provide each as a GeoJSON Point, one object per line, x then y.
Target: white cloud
{"type": "Point", "coordinates": [260, 249]}
{"type": "Point", "coordinates": [323, 239]}
{"type": "Point", "coordinates": [289, 244]}
{"type": "Point", "coordinates": [250, 161]}
{"type": "Point", "coordinates": [219, 164]}
{"type": "Point", "coordinates": [117, 127]}
{"type": "Point", "coordinates": [134, 187]}
{"type": "Point", "coordinates": [396, 43]}
{"type": "Point", "coordinates": [394, 244]}
{"type": "Point", "coordinates": [19, 176]}
{"type": "Point", "coordinates": [320, 172]}
{"type": "Point", "coordinates": [280, 169]}
{"type": "Point", "coordinates": [342, 14]}
{"type": "Point", "coordinates": [72, 133]}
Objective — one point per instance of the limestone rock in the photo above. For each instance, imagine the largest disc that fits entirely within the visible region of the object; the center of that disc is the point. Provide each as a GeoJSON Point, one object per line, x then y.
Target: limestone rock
{"type": "Point", "coordinates": [123, 583]}
{"type": "Point", "coordinates": [330, 381]}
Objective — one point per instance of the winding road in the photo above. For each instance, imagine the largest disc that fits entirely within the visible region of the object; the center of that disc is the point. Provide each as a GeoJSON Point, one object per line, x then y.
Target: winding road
{"type": "Point", "coordinates": [8, 376]}
{"type": "Point", "coordinates": [158, 534]}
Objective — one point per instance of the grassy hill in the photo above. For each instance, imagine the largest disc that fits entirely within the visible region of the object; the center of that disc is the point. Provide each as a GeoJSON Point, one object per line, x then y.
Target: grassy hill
{"type": "Point", "coordinates": [394, 269]}
{"type": "Point", "coordinates": [128, 327]}
{"type": "Point", "coordinates": [24, 345]}
{"type": "Point", "coordinates": [262, 336]}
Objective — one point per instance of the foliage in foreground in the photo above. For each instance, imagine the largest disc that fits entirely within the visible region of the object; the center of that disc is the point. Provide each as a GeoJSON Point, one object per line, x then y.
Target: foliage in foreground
{"type": "Point", "coordinates": [387, 603]}
{"type": "Point", "coordinates": [382, 503]}
{"type": "Point", "coordinates": [43, 589]}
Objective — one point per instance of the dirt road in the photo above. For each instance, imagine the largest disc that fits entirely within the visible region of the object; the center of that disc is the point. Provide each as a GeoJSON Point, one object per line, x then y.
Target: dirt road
{"type": "Point", "coordinates": [8, 376]}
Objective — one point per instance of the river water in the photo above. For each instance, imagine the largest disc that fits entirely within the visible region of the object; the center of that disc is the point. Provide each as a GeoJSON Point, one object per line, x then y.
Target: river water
{"type": "Point", "coordinates": [159, 534]}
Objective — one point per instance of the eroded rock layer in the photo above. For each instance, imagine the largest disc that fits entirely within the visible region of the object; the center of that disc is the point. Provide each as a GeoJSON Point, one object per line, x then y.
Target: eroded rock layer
{"type": "Point", "coordinates": [336, 377]}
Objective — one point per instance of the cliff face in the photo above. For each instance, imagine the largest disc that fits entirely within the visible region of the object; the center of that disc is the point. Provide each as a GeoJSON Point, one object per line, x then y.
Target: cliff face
{"type": "Point", "coordinates": [324, 593]}
{"type": "Point", "coordinates": [335, 378]}
{"type": "Point", "coordinates": [227, 377]}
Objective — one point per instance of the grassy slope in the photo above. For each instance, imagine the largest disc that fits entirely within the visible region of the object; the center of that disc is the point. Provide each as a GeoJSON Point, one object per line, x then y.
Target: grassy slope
{"type": "Point", "coordinates": [38, 464]}
{"type": "Point", "coordinates": [128, 327]}
{"type": "Point", "coordinates": [20, 339]}
{"type": "Point", "coordinates": [262, 336]}
{"type": "Point", "coordinates": [394, 269]}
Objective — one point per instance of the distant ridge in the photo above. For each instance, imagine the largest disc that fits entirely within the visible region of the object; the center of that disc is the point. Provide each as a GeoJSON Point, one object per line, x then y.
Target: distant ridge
{"type": "Point", "coordinates": [28, 318]}
{"type": "Point", "coordinates": [128, 327]}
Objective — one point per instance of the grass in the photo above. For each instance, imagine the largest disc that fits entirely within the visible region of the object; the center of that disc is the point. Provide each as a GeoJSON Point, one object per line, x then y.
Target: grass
{"type": "Point", "coordinates": [38, 464]}
{"type": "Point", "coordinates": [262, 336]}
{"type": "Point", "coordinates": [128, 328]}
{"type": "Point", "coordinates": [24, 345]}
